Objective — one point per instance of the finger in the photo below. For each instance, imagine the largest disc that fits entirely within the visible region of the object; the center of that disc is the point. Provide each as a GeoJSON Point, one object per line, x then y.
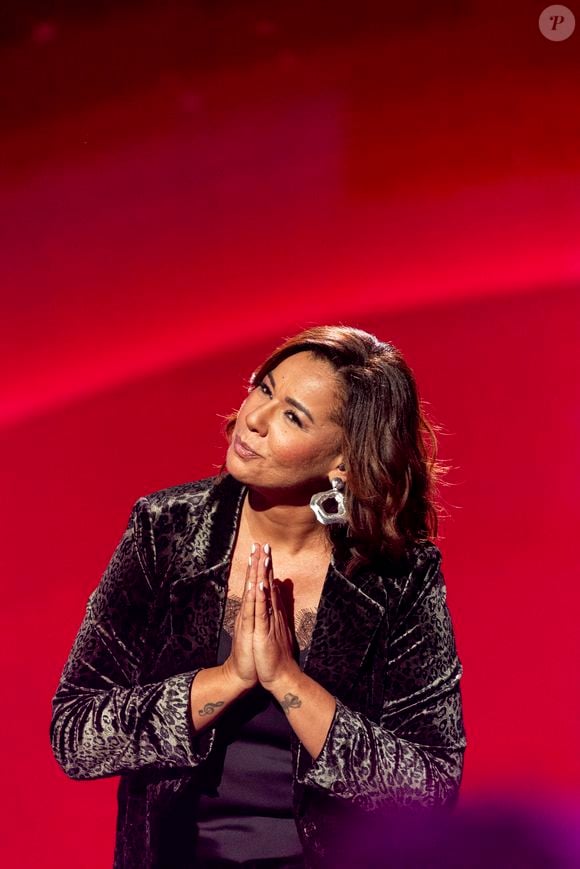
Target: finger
{"type": "Point", "coordinates": [281, 619]}
{"type": "Point", "coordinates": [277, 602]}
{"type": "Point", "coordinates": [263, 607]}
{"type": "Point", "coordinates": [240, 610]}
{"type": "Point", "coordinates": [248, 567]}
{"type": "Point", "coordinates": [249, 598]}
{"type": "Point", "coordinates": [268, 582]}
{"type": "Point", "coordinates": [279, 611]}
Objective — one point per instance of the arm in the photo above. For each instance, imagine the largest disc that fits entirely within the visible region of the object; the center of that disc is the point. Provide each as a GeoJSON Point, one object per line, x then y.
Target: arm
{"type": "Point", "coordinates": [415, 754]}
{"type": "Point", "coordinates": [104, 722]}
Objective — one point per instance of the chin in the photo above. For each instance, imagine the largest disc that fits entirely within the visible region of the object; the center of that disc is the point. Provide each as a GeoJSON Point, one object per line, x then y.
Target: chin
{"type": "Point", "coordinates": [236, 466]}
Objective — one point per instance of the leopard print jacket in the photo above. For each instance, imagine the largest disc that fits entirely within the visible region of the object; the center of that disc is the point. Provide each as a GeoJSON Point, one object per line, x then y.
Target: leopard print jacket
{"type": "Point", "coordinates": [382, 644]}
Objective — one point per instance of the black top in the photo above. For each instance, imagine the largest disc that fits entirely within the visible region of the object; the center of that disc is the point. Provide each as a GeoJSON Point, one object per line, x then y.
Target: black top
{"type": "Point", "coordinates": [244, 814]}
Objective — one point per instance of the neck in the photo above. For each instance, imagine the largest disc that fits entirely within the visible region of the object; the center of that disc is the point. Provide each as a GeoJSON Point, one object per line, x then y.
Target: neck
{"type": "Point", "coordinates": [288, 527]}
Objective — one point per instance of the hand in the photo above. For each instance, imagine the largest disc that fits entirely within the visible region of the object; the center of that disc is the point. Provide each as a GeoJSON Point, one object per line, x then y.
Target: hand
{"type": "Point", "coordinates": [240, 663]}
{"type": "Point", "coordinates": [272, 641]}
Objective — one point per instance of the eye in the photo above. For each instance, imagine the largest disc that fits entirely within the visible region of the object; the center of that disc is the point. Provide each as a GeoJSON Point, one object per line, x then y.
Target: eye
{"type": "Point", "coordinates": [295, 419]}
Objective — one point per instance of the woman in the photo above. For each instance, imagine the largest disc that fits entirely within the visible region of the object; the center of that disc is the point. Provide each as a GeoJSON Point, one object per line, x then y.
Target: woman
{"type": "Point", "coordinates": [269, 651]}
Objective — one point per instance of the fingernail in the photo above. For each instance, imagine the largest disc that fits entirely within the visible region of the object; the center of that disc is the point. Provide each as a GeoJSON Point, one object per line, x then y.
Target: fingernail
{"type": "Point", "coordinates": [253, 549]}
{"type": "Point", "coordinates": [267, 562]}
{"type": "Point", "coordinates": [266, 548]}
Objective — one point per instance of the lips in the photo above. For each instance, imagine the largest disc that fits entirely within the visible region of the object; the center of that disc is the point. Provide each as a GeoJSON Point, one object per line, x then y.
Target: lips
{"type": "Point", "coordinates": [243, 449]}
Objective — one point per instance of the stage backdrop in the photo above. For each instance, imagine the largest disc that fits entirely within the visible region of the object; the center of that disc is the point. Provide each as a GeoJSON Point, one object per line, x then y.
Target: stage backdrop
{"type": "Point", "coordinates": [184, 186]}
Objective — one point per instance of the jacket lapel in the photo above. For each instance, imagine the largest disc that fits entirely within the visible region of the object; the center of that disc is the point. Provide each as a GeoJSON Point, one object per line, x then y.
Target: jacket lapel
{"type": "Point", "coordinates": [198, 595]}
{"type": "Point", "coordinates": [346, 623]}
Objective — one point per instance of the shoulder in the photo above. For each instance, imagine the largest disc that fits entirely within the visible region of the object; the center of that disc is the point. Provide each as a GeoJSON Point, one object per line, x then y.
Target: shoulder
{"type": "Point", "coordinates": [167, 520]}
{"type": "Point", "coordinates": [171, 510]}
{"type": "Point", "coordinates": [180, 499]}
{"type": "Point", "coordinates": [179, 510]}
{"type": "Point", "coordinates": [423, 555]}
{"type": "Point", "coordinates": [424, 584]}
{"type": "Point", "coordinates": [418, 559]}
{"type": "Point", "coordinates": [192, 493]}
{"type": "Point", "coordinates": [401, 582]}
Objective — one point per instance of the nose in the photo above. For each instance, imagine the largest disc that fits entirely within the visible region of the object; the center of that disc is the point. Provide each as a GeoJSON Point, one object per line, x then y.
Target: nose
{"type": "Point", "coordinates": [258, 419]}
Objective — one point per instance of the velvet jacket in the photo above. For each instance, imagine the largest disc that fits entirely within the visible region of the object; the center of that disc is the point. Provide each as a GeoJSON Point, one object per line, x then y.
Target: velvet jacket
{"type": "Point", "coordinates": [382, 644]}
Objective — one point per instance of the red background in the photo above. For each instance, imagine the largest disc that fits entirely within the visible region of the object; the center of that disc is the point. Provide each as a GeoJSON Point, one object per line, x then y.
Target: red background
{"type": "Point", "coordinates": [183, 185]}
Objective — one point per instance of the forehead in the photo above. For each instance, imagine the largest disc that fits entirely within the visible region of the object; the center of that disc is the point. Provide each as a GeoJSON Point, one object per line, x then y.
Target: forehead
{"type": "Point", "coordinates": [310, 380]}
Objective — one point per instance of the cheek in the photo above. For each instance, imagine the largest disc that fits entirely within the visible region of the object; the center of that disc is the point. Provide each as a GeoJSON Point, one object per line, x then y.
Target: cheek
{"type": "Point", "coordinates": [292, 450]}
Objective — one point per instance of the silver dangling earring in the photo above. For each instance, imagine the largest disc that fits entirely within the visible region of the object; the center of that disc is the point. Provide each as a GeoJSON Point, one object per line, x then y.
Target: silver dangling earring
{"type": "Point", "coordinates": [320, 499]}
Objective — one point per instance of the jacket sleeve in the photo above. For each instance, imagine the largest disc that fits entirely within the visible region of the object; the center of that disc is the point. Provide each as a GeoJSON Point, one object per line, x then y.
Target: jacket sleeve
{"type": "Point", "coordinates": [104, 721]}
{"type": "Point", "coordinates": [414, 755]}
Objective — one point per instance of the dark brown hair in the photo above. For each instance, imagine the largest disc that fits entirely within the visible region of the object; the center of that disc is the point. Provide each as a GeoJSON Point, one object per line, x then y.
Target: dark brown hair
{"type": "Point", "coordinates": [389, 445]}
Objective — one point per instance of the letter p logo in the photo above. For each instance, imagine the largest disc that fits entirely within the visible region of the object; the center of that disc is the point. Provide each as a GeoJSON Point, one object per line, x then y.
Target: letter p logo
{"type": "Point", "coordinates": [557, 23]}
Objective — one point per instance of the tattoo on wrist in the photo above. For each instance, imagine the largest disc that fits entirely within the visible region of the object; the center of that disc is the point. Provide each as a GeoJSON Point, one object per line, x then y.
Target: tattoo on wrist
{"type": "Point", "coordinates": [290, 701]}
{"type": "Point", "coordinates": [210, 707]}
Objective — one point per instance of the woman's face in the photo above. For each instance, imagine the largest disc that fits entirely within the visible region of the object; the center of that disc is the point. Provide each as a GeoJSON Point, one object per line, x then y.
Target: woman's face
{"type": "Point", "coordinates": [286, 421]}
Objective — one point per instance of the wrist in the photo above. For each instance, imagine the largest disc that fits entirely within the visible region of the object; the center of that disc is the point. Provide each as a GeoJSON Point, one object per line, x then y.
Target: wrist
{"type": "Point", "coordinates": [235, 683]}
{"type": "Point", "coordinates": [288, 680]}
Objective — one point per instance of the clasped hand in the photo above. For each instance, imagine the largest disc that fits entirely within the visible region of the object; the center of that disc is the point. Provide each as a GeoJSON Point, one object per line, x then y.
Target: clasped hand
{"type": "Point", "coordinates": [262, 644]}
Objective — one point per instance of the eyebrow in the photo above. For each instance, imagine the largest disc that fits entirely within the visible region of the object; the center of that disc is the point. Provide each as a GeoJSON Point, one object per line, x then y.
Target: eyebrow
{"type": "Point", "coordinates": [293, 401]}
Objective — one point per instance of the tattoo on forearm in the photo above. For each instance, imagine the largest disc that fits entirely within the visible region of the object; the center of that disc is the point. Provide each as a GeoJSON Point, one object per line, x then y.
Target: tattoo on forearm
{"type": "Point", "coordinates": [290, 701]}
{"type": "Point", "coordinates": [210, 707]}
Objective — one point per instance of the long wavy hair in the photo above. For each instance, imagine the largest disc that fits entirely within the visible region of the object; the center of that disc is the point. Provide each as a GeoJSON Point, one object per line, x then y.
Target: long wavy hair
{"type": "Point", "coordinates": [389, 445]}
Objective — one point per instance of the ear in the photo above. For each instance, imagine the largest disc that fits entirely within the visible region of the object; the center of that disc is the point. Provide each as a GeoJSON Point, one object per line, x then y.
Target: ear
{"type": "Point", "coordinates": [339, 469]}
